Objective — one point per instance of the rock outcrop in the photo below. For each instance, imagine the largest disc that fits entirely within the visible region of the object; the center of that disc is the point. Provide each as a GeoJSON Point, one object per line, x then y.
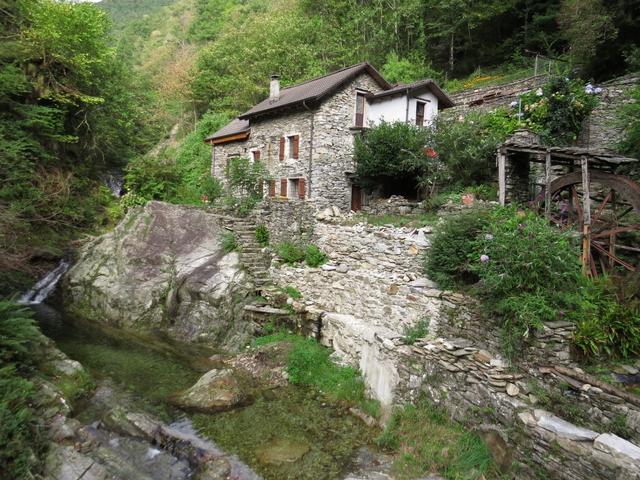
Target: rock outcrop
{"type": "Point", "coordinates": [162, 268]}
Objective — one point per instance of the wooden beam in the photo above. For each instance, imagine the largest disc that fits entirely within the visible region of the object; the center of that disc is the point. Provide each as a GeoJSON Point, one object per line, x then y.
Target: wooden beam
{"type": "Point", "coordinates": [547, 185]}
{"type": "Point", "coordinates": [229, 138]}
{"type": "Point", "coordinates": [586, 217]}
{"type": "Point", "coordinates": [502, 178]}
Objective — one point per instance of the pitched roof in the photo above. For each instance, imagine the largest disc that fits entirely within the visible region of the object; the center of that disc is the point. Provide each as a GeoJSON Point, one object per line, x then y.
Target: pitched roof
{"type": "Point", "coordinates": [315, 89]}
{"type": "Point", "coordinates": [444, 101]}
{"type": "Point", "coordinates": [234, 127]}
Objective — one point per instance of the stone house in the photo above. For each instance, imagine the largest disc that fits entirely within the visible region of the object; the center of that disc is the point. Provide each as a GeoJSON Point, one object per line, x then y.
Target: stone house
{"type": "Point", "coordinates": [304, 134]}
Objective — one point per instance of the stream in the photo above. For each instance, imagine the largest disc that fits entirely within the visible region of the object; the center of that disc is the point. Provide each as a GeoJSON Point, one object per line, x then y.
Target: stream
{"type": "Point", "coordinates": [286, 433]}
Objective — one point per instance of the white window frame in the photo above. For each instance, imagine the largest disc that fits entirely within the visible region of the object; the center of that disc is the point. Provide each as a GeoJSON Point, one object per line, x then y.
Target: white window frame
{"type": "Point", "coordinates": [251, 152]}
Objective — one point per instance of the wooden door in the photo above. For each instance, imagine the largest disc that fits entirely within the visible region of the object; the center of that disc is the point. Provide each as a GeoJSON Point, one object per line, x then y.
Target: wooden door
{"type": "Point", "coordinates": [356, 198]}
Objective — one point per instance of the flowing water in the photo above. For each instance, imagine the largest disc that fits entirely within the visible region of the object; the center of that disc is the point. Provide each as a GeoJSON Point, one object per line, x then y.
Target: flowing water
{"type": "Point", "coordinates": [45, 285]}
{"type": "Point", "coordinates": [287, 433]}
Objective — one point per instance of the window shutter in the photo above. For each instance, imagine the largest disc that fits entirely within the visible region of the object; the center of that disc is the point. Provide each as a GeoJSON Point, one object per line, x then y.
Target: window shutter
{"type": "Point", "coordinates": [283, 187]}
{"type": "Point", "coordinates": [301, 187]}
{"type": "Point", "coordinates": [272, 188]}
{"type": "Point", "coordinates": [256, 155]}
{"type": "Point", "coordinates": [281, 148]}
{"type": "Point", "coordinates": [296, 146]}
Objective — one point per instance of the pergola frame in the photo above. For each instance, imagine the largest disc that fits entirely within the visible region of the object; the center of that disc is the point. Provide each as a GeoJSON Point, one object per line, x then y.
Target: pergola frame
{"type": "Point", "coordinates": [567, 156]}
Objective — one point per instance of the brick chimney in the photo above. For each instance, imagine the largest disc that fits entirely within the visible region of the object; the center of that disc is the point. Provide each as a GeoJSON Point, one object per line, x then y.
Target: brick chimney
{"type": "Point", "coordinates": [274, 88]}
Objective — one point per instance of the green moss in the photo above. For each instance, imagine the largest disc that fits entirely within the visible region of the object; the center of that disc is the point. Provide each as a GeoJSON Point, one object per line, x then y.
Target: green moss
{"type": "Point", "coordinates": [75, 386]}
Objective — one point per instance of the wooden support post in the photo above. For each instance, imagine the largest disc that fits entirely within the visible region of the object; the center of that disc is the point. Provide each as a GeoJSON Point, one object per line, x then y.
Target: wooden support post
{"type": "Point", "coordinates": [502, 176]}
{"type": "Point", "coordinates": [586, 218]}
{"type": "Point", "coordinates": [547, 185]}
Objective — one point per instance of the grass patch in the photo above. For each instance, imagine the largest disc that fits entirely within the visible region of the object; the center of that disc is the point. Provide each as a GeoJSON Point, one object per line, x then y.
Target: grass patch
{"type": "Point", "coordinates": [308, 364]}
{"type": "Point", "coordinates": [425, 441]}
{"type": "Point", "coordinates": [419, 330]}
{"type": "Point", "coordinates": [292, 253]}
{"type": "Point", "coordinates": [262, 235]}
{"type": "Point", "coordinates": [229, 242]}
{"type": "Point", "coordinates": [292, 292]}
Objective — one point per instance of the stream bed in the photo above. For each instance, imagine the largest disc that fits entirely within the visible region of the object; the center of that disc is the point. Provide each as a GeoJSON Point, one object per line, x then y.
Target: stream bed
{"type": "Point", "coordinates": [286, 433]}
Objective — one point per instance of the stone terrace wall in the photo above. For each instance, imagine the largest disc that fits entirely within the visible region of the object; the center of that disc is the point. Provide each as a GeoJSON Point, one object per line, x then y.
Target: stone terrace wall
{"type": "Point", "coordinates": [494, 96]}
{"type": "Point", "coordinates": [601, 130]}
{"type": "Point", "coordinates": [287, 219]}
{"type": "Point", "coordinates": [373, 273]}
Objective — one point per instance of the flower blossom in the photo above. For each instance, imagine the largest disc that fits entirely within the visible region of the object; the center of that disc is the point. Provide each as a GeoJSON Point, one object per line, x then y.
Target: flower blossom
{"type": "Point", "coordinates": [539, 92]}
{"type": "Point", "coordinates": [513, 104]}
{"type": "Point", "coordinates": [484, 258]}
{"type": "Point", "coordinates": [488, 236]}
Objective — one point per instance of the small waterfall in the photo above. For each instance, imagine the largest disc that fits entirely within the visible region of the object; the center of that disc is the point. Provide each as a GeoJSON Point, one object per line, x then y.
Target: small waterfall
{"type": "Point", "coordinates": [45, 285]}
{"type": "Point", "coordinates": [115, 181]}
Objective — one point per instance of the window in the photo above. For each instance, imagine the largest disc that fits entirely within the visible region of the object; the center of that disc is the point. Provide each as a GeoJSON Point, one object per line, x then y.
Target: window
{"type": "Point", "coordinates": [290, 147]}
{"type": "Point", "coordinates": [420, 113]}
{"type": "Point", "coordinates": [255, 155]}
{"type": "Point", "coordinates": [297, 188]}
{"type": "Point", "coordinates": [360, 100]}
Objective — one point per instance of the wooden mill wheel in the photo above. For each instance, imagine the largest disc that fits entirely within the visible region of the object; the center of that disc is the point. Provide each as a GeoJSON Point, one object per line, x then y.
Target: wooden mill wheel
{"type": "Point", "coordinates": [615, 217]}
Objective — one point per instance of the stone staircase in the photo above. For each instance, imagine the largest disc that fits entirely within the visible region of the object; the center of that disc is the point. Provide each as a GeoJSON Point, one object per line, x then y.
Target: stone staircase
{"type": "Point", "coordinates": [252, 256]}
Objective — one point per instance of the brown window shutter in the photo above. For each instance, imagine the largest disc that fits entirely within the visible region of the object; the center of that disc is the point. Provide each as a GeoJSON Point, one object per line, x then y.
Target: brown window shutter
{"type": "Point", "coordinates": [283, 187]}
{"type": "Point", "coordinates": [281, 148]}
{"type": "Point", "coordinates": [272, 188]}
{"type": "Point", "coordinates": [256, 155]}
{"type": "Point", "coordinates": [296, 146]}
{"type": "Point", "coordinates": [301, 187]}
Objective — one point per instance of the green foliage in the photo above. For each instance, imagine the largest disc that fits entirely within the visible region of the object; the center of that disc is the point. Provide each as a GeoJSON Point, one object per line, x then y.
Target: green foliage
{"type": "Point", "coordinates": [20, 433]}
{"type": "Point", "coordinates": [407, 70]}
{"type": "Point", "coordinates": [467, 147]}
{"type": "Point", "coordinates": [179, 175]}
{"type": "Point", "coordinates": [558, 110]}
{"type": "Point", "coordinates": [18, 335]}
{"type": "Point", "coordinates": [607, 323]}
{"type": "Point", "coordinates": [245, 181]}
{"type": "Point", "coordinates": [262, 235]}
{"type": "Point", "coordinates": [229, 242]}
{"type": "Point", "coordinates": [292, 292]}
{"type": "Point", "coordinates": [419, 330]}
{"type": "Point", "coordinates": [629, 120]}
{"type": "Point", "coordinates": [425, 441]}
{"type": "Point", "coordinates": [394, 152]}
{"type": "Point", "coordinates": [447, 261]}
{"type": "Point", "coordinates": [313, 256]}
{"type": "Point", "coordinates": [290, 253]}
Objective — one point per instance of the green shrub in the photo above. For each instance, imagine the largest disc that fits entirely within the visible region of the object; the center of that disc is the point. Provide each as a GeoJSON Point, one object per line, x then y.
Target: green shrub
{"type": "Point", "coordinates": [313, 256]}
{"type": "Point", "coordinates": [483, 192]}
{"type": "Point", "coordinates": [447, 261]}
{"type": "Point", "coordinates": [212, 189]}
{"type": "Point", "coordinates": [290, 253]}
{"type": "Point", "coordinates": [629, 120]}
{"type": "Point", "coordinates": [419, 330]}
{"type": "Point", "coordinates": [20, 434]}
{"type": "Point", "coordinates": [229, 242]}
{"type": "Point", "coordinates": [262, 235]}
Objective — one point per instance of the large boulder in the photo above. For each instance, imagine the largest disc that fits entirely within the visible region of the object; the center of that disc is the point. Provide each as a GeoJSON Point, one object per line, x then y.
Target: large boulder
{"type": "Point", "coordinates": [215, 391]}
{"type": "Point", "coordinates": [162, 268]}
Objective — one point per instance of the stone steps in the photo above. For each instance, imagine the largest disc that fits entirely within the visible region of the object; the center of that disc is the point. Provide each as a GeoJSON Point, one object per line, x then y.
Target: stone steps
{"type": "Point", "coordinates": [252, 257]}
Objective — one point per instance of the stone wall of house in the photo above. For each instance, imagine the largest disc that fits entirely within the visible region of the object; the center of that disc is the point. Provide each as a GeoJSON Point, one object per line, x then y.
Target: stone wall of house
{"type": "Point", "coordinates": [325, 156]}
{"type": "Point", "coordinates": [333, 145]}
{"type": "Point", "coordinates": [602, 130]}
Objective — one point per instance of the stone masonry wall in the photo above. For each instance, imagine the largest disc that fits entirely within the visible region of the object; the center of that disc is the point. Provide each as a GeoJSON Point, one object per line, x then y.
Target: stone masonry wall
{"type": "Point", "coordinates": [601, 129]}
{"type": "Point", "coordinates": [333, 145]}
{"type": "Point", "coordinates": [287, 219]}
{"type": "Point", "coordinates": [371, 291]}
{"type": "Point", "coordinates": [325, 158]}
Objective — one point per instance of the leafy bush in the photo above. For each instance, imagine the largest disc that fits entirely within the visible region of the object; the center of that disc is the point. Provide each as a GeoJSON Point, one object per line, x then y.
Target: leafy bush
{"type": "Point", "coordinates": [629, 120]}
{"type": "Point", "coordinates": [447, 261]}
{"type": "Point", "coordinates": [557, 110]}
{"type": "Point", "coordinates": [419, 330]}
{"type": "Point", "coordinates": [262, 235]}
{"type": "Point", "coordinates": [467, 146]}
{"type": "Point", "coordinates": [151, 178]}
{"type": "Point", "coordinates": [290, 253]}
{"type": "Point", "coordinates": [229, 242]}
{"type": "Point", "coordinates": [245, 180]}
{"type": "Point", "coordinates": [313, 256]}
{"type": "Point", "coordinates": [20, 434]}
